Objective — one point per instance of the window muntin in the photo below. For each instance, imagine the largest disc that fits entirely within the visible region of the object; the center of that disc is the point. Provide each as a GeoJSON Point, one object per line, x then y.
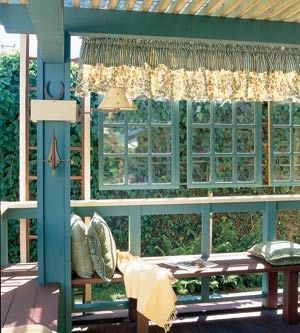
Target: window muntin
{"type": "Point", "coordinates": [140, 149]}
{"type": "Point", "coordinates": [224, 147]}
{"type": "Point", "coordinates": [285, 143]}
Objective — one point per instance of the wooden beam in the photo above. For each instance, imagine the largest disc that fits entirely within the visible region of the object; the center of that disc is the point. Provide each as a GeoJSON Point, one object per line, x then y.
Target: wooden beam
{"type": "Point", "coordinates": [294, 16]}
{"type": "Point", "coordinates": [146, 5]}
{"type": "Point", "coordinates": [276, 10]}
{"type": "Point", "coordinates": [76, 3]}
{"type": "Point", "coordinates": [211, 7]}
{"type": "Point", "coordinates": [194, 6]}
{"type": "Point", "coordinates": [95, 4]}
{"type": "Point", "coordinates": [227, 7]}
{"type": "Point", "coordinates": [262, 8]}
{"type": "Point", "coordinates": [89, 22]}
{"type": "Point", "coordinates": [130, 4]}
{"type": "Point", "coordinates": [47, 17]}
{"type": "Point", "coordinates": [162, 6]}
{"type": "Point", "coordinates": [244, 8]}
{"type": "Point", "coordinates": [177, 6]}
{"type": "Point", "coordinates": [113, 4]}
{"type": "Point", "coordinates": [23, 140]}
{"type": "Point", "coordinates": [288, 12]}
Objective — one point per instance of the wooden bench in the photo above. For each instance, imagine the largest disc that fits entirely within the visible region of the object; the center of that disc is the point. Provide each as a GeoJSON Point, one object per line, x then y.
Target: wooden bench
{"type": "Point", "coordinates": [227, 264]}
{"type": "Point", "coordinates": [24, 301]}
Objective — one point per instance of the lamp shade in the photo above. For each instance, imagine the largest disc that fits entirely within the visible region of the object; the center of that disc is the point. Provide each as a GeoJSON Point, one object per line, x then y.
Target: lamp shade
{"type": "Point", "coordinates": [116, 100]}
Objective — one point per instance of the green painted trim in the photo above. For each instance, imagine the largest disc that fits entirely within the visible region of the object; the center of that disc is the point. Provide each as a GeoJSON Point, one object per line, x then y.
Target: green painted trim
{"type": "Point", "coordinates": [212, 155]}
{"type": "Point", "coordinates": [4, 241]}
{"type": "Point", "coordinates": [101, 305]}
{"type": "Point", "coordinates": [292, 181]}
{"type": "Point", "coordinates": [81, 21]}
{"type": "Point", "coordinates": [49, 29]}
{"type": "Point", "coordinates": [149, 125]}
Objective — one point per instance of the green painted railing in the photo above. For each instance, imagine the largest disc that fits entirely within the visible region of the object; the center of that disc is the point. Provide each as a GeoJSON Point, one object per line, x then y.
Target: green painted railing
{"type": "Point", "coordinates": [135, 209]}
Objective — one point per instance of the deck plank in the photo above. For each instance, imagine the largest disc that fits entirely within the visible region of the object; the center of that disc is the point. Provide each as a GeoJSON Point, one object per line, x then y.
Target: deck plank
{"type": "Point", "coordinates": [25, 301]}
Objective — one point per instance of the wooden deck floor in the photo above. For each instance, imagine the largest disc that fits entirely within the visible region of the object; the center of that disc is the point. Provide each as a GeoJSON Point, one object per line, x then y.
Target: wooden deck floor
{"type": "Point", "coordinates": [255, 321]}
{"type": "Point", "coordinates": [24, 300]}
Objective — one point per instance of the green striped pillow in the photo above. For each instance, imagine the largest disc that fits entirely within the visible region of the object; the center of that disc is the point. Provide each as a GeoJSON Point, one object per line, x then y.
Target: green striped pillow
{"type": "Point", "coordinates": [277, 252]}
{"type": "Point", "coordinates": [102, 247]}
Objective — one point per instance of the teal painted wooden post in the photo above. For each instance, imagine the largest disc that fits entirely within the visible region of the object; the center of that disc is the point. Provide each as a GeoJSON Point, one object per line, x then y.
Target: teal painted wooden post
{"type": "Point", "coordinates": [54, 257]}
{"type": "Point", "coordinates": [205, 247]}
{"type": "Point", "coordinates": [4, 241]}
{"type": "Point", "coordinates": [269, 231]}
{"type": "Point", "coordinates": [134, 234]}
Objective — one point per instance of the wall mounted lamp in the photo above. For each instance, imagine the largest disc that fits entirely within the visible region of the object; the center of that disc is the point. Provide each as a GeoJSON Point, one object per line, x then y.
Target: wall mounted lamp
{"type": "Point", "coordinates": [116, 100]}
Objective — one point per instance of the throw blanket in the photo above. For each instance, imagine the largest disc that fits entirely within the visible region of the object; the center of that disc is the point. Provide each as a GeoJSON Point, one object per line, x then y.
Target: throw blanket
{"type": "Point", "coordinates": [151, 285]}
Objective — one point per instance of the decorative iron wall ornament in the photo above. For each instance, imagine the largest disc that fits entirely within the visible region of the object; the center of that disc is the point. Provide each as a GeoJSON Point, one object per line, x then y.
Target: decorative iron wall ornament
{"type": "Point", "coordinates": [53, 157]}
{"type": "Point", "coordinates": [48, 94]}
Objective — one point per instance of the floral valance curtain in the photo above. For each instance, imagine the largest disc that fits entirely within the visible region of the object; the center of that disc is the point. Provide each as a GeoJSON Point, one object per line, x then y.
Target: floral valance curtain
{"type": "Point", "coordinates": [190, 70]}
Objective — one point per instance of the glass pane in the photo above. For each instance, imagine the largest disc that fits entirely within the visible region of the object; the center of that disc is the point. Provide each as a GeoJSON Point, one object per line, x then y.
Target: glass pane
{"type": "Point", "coordinates": [223, 113]}
{"type": "Point", "coordinates": [281, 113]}
{"type": "Point", "coordinates": [223, 169]}
{"type": "Point", "coordinates": [137, 139]}
{"type": "Point", "coordinates": [282, 168]}
{"type": "Point", "coordinates": [223, 140]}
{"type": "Point", "coordinates": [201, 140]}
{"type": "Point", "coordinates": [245, 169]}
{"type": "Point", "coordinates": [245, 140]}
{"type": "Point", "coordinates": [113, 140]}
{"type": "Point", "coordinates": [137, 170]}
{"type": "Point", "coordinates": [141, 114]}
{"type": "Point", "coordinates": [161, 170]}
{"type": "Point", "coordinates": [161, 112]}
{"type": "Point", "coordinates": [281, 140]}
{"type": "Point", "coordinates": [245, 113]}
{"type": "Point", "coordinates": [297, 140]}
{"type": "Point", "coordinates": [201, 169]}
{"type": "Point", "coordinates": [297, 167]}
{"type": "Point", "coordinates": [113, 170]}
{"type": "Point", "coordinates": [161, 139]}
{"type": "Point", "coordinates": [296, 115]}
{"type": "Point", "coordinates": [201, 112]}
{"type": "Point", "coordinates": [113, 117]}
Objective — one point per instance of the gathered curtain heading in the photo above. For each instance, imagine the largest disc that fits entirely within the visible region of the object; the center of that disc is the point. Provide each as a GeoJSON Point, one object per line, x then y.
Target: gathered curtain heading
{"type": "Point", "coordinates": [192, 70]}
{"type": "Point", "coordinates": [188, 55]}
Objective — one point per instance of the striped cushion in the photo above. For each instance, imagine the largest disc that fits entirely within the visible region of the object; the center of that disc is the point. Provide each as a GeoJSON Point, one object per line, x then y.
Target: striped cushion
{"type": "Point", "coordinates": [102, 247]}
{"type": "Point", "coordinates": [277, 252]}
{"type": "Point", "coordinates": [81, 258]}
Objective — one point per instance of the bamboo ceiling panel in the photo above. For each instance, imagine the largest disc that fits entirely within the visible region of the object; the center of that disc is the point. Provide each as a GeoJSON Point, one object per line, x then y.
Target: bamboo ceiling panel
{"type": "Point", "coordinates": [272, 10]}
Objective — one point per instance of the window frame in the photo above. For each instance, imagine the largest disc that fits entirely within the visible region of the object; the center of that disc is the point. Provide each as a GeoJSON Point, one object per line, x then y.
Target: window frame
{"type": "Point", "coordinates": [212, 183]}
{"type": "Point", "coordinates": [173, 154]}
{"type": "Point", "coordinates": [291, 154]}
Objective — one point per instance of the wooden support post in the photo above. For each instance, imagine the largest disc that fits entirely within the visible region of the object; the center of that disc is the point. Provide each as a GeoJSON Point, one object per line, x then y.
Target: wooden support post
{"type": "Point", "coordinates": [270, 302]}
{"type": "Point", "coordinates": [290, 297]}
{"type": "Point", "coordinates": [269, 234]}
{"type": "Point", "coordinates": [53, 212]}
{"type": "Point", "coordinates": [134, 233]}
{"type": "Point", "coordinates": [86, 170]}
{"type": "Point", "coordinates": [206, 243]}
{"type": "Point", "coordinates": [142, 323]}
{"type": "Point", "coordinates": [4, 241]}
{"type": "Point", "coordinates": [23, 142]}
{"type": "Point", "coordinates": [132, 313]}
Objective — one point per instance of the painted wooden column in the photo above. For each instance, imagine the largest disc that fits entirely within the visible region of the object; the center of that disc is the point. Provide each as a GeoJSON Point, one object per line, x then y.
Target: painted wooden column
{"type": "Point", "coordinates": [269, 285]}
{"type": "Point", "coordinates": [54, 253]}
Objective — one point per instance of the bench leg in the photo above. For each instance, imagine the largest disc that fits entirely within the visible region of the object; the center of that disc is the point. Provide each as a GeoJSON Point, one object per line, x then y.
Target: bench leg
{"type": "Point", "coordinates": [142, 324]}
{"type": "Point", "coordinates": [271, 300]}
{"type": "Point", "coordinates": [132, 309]}
{"type": "Point", "coordinates": [290, 297]}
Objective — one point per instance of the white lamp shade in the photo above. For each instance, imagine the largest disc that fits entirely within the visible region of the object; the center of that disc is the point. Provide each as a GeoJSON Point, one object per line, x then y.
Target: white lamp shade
{"type": "Point", "coordinates": [116, 100]}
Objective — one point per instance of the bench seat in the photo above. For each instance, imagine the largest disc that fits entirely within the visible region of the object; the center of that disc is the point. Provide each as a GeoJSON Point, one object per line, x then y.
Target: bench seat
{"type": "Point", "coordinates": [229, 264]}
